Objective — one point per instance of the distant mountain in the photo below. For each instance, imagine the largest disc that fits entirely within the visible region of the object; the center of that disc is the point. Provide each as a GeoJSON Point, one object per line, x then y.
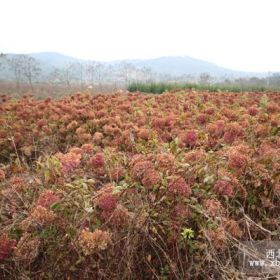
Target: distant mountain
{"type": "Point", "coordinates": [171, 65]}
{"type": "Point", "coordinates": [178, 66]}
{"type": "Point", "coordinates": [55, 59]}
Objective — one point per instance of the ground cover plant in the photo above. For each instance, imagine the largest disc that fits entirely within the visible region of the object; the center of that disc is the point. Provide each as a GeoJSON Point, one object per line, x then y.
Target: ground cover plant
{"type": "Point", "coordinates": [137, 186]}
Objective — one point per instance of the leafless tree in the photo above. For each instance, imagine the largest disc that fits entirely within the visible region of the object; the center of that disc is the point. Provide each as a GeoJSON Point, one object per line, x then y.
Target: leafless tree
{"type": "Point", "coordinates": [66, 75]}
{"type": "Point", "coordinates": [2, 58]}
{"type": "Point", "coordinates": [100, 68]}
{"type": "Point", "coordinates": [126, 71]}
{"type": "Point", "coordinates": [91, 71]}
{"type": "Point", "coordinates": [112, 77]}
{"type": "Point", "coordinates": [205, 78]}
{"type": "Point", "coordinates": [15, 64]}
{"type": "Point", "coordinates": [78, 73]}
{"type": "Point", "coordinates": [147, 73]}
{"type": "Point", "coordinates": [24, 66]}
{"type": "Point", "coordinates": [31, 69]}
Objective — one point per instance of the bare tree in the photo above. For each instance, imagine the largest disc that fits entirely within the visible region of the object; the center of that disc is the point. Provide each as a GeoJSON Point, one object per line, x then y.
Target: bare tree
{"type": "Point", "coordinates": [24, 66]}
{"type": "Point", "coordinates": [15, 64]}
{"type": "Point", "coordinates": [205, 78]}
{"type": "Point", "coordinates": [147, 73]}
{"type": "Point", "coordinates": [77, 71]}
{"type": "Point", "coordinates": [91, 71]}
{"type": "Point", "coordinates": [2, 58]}
{"type": "Point", "coordinates": [112, 77]}
{"type": "Point", "coordinates": [126, 71]}
{"type": "Point", "coordinates": [100, 74]}
{"type": "Point", "coordinates": [64, 75]}
{"type": "Point", "coordinates": [31, 69]}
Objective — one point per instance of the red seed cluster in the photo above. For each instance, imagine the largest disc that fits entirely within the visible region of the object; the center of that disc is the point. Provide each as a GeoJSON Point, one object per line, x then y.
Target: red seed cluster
{"type": "Point", "coordinates": [150, 178]}
{"type": "Point", "coordinates": [190, 138]}
{"type": "Point", "coordinates": [6, 246]}
{"type": "Point", "coordinates": [178, 186]}
{"type": "Point", "coordinates": [47, 198]}
{"type": "Point", "coordinates": [237, 160]}
{"type": "Point", "coordinates": [2, 175]}
{"type": "Point", "coordinates": [225, 188]}
{"type": "Point", "coordinates": [69, 161]}
{"type": "Point", "coordinates": [107, 202]}
{"type": "Point", "coordinates": [97, 161]}
{"type": "Point", "coordinates": [140, 168]}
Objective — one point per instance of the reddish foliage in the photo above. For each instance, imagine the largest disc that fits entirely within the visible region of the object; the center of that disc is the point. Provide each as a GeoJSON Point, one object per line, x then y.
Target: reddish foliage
{"type": "Point", "coordinates": [223, 188]}
{"type": "Point", "coordinates": [7, 246]}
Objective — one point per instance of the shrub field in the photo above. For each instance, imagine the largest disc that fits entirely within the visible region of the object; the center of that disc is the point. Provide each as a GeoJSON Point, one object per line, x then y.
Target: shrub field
{"type": "Point", "coordinates": [163, 87]}
{"type": "Point", "coordinates": [137, 186]}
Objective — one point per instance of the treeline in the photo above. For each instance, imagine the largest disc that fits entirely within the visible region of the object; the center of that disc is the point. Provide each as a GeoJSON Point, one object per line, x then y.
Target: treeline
{"type": "Point", "coordinates": [21, 72]}
{"type": "Point", "coordinates": [22, 68]}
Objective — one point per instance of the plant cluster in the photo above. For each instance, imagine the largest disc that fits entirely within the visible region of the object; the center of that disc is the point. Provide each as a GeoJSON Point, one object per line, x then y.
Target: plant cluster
{"type": "Point", "coordinates": [134, 186]}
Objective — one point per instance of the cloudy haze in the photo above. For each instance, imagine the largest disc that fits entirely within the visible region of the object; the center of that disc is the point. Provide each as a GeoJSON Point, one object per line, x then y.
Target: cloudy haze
{"type": "Point", "coordinates": [241, 35]}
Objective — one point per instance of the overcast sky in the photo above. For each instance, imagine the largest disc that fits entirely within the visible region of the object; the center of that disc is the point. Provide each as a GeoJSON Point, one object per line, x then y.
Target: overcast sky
{"type": "Point", "coordinates": [237, 34]}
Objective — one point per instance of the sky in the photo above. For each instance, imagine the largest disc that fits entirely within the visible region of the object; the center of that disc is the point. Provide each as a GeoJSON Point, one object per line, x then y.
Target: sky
{"type": "Point", "coordinates": [236, 34]}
